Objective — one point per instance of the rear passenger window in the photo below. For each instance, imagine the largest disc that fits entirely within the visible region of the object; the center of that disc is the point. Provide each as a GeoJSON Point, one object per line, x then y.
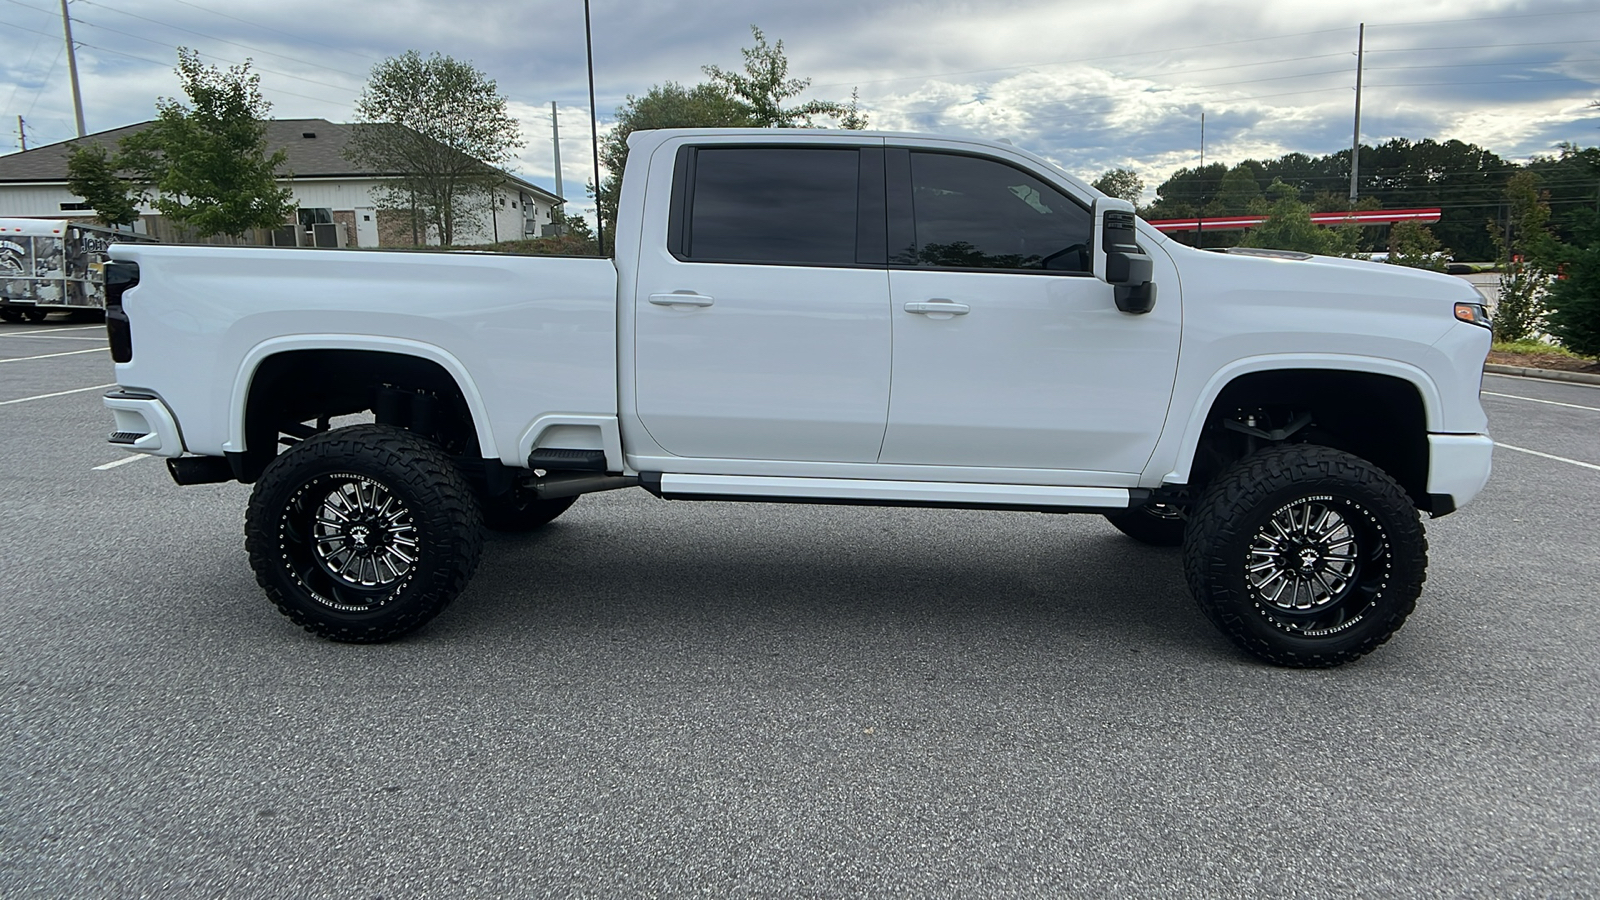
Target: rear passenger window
{"type": "Point", "coordinates": [773, 205]}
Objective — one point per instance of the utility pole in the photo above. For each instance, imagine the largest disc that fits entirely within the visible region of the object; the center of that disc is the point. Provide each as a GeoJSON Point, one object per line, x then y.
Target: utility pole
{"type": "Point", "coordinates": [1200, 214]}
{"type": "Point", "coordinates": [72, 67]}
{"type": "Point", "coordinates": [555, 143]}
{"type": "Point", "coordinates": [1355, 143]}
{"type": "Point", "coordinates": [594, 133]}
{"type": "Point", "coordinates": [22, 134]}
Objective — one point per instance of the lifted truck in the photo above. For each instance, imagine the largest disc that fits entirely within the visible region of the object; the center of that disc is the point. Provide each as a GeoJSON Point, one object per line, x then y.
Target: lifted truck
{"type": "Point", "coordinates": [822, 317]}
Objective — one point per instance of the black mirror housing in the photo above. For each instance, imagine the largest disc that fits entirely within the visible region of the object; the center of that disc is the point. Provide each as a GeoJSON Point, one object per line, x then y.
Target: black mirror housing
{"type": "Point", "coordinates": [1128, 268]}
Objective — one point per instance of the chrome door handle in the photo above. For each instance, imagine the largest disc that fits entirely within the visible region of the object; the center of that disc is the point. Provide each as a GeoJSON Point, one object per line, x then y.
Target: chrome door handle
{"type": "Point", "coordinates": [680, 298]}
{"type": "Point", "coordinates": [942, 309]}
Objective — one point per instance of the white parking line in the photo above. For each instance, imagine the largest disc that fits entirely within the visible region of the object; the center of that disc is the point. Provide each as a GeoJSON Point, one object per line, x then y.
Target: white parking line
{"type": "Point", "coordinates": [53, 355]}
{"type": "Point", "coordinates": [122, 462]}
{"type": "Point", "coordinates": [1537, 400]}
{"type": "Point", "coordinates": [50, 330]}
{"type": "Point", "coordinates": [1549, 456]}
{"type": "Point", "coordinates": [98, 387]}
{"type": "Point", "coordinates": [34, 335]}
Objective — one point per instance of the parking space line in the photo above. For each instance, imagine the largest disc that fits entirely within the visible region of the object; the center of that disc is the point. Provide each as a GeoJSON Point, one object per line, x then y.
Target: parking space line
{"type": "Point", "coordinates": [1537, 400]}
{"type": "Point", "coordinates": [52, 355]}
{"type": "Point", "coordinates": [97, 387]}
{"type": "Point", "coordinates": [51, 330]}
{"type": "Point", "coordinates": [122, 462]}
{"type": "Point", "coordinates": [34, 335]}
{"type": "Point", "coordinates": [1549, 456]}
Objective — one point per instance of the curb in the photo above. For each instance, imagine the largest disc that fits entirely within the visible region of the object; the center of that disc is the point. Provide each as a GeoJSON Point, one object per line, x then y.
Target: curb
{"type": "Point", "coordinates": [1546, 374]}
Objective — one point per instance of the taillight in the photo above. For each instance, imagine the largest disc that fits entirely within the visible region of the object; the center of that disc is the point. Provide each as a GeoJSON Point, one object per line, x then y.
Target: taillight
{"type": "Point", "coordinates": [119, 277]}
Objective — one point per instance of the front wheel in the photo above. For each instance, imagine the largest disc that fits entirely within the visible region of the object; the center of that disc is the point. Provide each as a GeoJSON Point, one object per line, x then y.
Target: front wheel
{"type": "Point", "coordinates": [362, 534]}
{"type": "Point", "coordinates": [1305, 556]}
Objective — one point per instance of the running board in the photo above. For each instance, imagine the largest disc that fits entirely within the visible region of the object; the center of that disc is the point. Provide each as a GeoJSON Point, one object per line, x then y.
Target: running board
{"type": "Point", "coordinates": [854, 491]}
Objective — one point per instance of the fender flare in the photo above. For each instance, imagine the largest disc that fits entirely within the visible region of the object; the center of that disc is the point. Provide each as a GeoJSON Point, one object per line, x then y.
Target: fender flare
{"type": "Point", "coordinates": [271, 347]}
{"type": "Point", "coordinates": [1432, 404]}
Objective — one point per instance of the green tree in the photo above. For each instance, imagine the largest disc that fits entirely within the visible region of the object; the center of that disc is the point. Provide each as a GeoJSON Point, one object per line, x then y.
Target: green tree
{"type": "Point", "coordinates": [1525, 249]}
{"type": "Point", "coordinates": [1412, 244]}
{"type": "Point", "coordinates": [1124, 184]}
{"type": "Point", "coordinates": [1238, 193]}
{"type": "Point", "coordinates": [765, 86]}
{"type": "Point", "coordinates": [207, 163]}
{"type": "Point", "coordinates": [1289, 227]}
{"type": "Point", "coordinates": [443, 127]}
{"type": "Point", "coordinates": [1574, 298]}
{"type": "Point", "coordinates": [92, 175]}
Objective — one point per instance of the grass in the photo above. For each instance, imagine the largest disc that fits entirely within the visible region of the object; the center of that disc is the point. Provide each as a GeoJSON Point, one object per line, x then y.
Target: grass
{"type": "Point", "coordinates": [1534, 347]}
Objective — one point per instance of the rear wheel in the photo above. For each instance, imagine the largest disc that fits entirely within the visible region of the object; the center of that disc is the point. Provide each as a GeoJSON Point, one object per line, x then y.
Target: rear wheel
{"type": "Point", "coordinates": [1306, 556]}
{"type": "Point", "coordinates": [36, 315]}
{"type": "Point", "coordinates": [1156, 524]}
{"type": "Point", "coordinates": [362, 534]}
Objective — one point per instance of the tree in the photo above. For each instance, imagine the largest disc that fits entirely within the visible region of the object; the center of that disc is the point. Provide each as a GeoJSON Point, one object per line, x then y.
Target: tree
{"type": "Point", "coordinates": [764, 86]}
{"type": "Point", "coordinates": [207, 163]}
{"type": "Point", "coordinates": [441, 126]}
{"type": "Point", "coordinates": [1289, 227]}
{"type": "Point", "coordinates": [1574, 298]}
{"type": "Point", "coordinates": [1124, 184]}
{"type": "Point", "coordinates": [1412, 244]}
{"type": "Point", "coordinates": [1525, 248]}
{"type": "Point", "coordinates": [92, 175]}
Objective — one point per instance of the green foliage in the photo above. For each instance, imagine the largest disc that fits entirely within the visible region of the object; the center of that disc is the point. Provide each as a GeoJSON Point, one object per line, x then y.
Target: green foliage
{"type": "Point", "coordinates": [1539, 348]}
{"type": "Point", "coordinates": [207, 163]}
{"type": "Point", "coordinates": [752, 98]}
{"type": "Point", "coordinates": [1238, 191]}
{"type": "Point", "coordinates": [1289, 227]}
{"type": "Point", "coordinates": [765, 86]}
{"type": "Point", "coordinates": [1124, 184]}
{"type": "Point", "coordinates": [443, 126]}
{"type": "Point", "coordinates": [1526, 249]}
{"type": "Point", "coordinates": [1574, 299]}
{"type": "Point", "coordinates": [92, 175]}
{"type": "Point", "coordinates": [1412, 244]}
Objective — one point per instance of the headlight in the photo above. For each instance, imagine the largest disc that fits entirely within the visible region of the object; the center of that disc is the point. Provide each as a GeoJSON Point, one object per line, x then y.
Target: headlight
{"type": "Point", "coordinates": [1473, 314]}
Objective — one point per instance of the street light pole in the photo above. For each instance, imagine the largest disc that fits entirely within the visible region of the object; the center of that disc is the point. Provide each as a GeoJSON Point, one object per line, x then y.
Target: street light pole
{"type": "Point", "coordinates": [594, 132]}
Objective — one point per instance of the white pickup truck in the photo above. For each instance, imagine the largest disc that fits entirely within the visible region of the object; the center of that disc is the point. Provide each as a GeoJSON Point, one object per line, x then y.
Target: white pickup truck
{"type": "Point", "coordinates": [821, 317]}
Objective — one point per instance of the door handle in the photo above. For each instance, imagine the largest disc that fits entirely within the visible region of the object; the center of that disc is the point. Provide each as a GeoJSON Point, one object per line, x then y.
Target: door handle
{"type": "Point", "coordinates": [938, 308]}
{"type": "Point", "coordinates": [680, 298]}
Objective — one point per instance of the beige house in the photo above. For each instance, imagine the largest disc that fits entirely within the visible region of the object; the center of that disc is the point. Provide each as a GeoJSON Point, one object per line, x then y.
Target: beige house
{"type": "Point", "coordinates": [337, 202]}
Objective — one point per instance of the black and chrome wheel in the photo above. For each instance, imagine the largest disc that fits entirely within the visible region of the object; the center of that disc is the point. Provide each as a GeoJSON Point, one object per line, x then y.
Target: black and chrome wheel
{"type": "Point", "coordinates": [362, 534]}
{"type": "Point", "coordinates": [1306, 556]}
{"type": "Point", "coordinates": [1156, 524]}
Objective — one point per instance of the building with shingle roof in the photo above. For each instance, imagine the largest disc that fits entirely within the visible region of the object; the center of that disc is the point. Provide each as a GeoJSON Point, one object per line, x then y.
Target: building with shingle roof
{"type": "Point", "coordinates": [329, 190]}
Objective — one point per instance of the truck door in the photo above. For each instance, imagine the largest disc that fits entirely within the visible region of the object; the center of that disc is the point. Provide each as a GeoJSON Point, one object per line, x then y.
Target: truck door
{"type": "Point", "coordinates": [1008, 352]}
{"type": "Point", "coordinates": [762, 329]}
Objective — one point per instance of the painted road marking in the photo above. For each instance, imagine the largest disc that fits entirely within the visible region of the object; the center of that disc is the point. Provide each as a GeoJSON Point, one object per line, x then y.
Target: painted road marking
{"type": "Point", "coordinates": [1549, 456]}
{"type": "Point", "coordinates": [50, 330]}
{"type": "Point", "coordinates": [122, 462]}
{"type": "Point", "coordinates": [1537, 400]}
{"type": "Point", "coordinates": [98, 387]}
{"type": "Point", "coordinates": [52, 355]}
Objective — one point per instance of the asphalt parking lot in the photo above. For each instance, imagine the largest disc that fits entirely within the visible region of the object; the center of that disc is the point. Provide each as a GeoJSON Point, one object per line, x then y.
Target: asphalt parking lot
{"type": "Point", "coordinates": [674, 699]}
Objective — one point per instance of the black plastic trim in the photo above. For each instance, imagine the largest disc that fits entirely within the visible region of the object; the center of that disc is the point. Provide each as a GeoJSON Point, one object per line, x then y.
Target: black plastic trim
{"type": "Point", "coordinates": [200, 469]}
{"type": "Point", "coordinates": [562, 460]}
{"type": "Point", "coordinates": [1441, 505]}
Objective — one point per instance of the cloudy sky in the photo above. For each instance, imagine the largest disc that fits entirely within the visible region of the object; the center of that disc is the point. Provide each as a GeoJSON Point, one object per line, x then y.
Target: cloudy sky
{"type": "Point", "coordinates": [1090, 85]}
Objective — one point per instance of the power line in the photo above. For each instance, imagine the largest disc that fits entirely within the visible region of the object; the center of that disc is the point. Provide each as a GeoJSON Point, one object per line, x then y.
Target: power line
{"type": "Point", "coordinates": [276, 31]}
{"type": "Point", "coordinates": [159, 63]}
{"type": "Point", "coordinates": [217, 39]}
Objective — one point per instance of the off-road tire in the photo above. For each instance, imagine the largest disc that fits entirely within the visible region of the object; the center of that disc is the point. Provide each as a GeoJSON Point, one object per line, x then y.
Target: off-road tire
{"type": "Point", "coordinates": [520, 509]}
{"type": "Point", "coordinates": [1156, 524]}
{"type": "Point", "coordinates": [1356, 566]}
{"type": "Point", "coordinates": [369, 503]}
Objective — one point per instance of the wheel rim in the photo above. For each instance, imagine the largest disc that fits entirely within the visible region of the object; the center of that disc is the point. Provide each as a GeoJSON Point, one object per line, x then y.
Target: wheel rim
{"type": "Point", "coordinates": [1316, 564]}
{"type": "Point", "coordinates": [349, 541]}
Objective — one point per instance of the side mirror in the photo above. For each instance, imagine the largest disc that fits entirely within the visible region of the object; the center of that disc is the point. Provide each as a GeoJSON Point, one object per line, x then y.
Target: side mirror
{"type": "Point", "coordinates": [1118, 260]}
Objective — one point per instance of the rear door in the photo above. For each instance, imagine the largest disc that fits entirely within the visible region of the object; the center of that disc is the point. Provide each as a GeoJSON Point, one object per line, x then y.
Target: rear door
{"type": "Point", "coordinates": [763, 333]}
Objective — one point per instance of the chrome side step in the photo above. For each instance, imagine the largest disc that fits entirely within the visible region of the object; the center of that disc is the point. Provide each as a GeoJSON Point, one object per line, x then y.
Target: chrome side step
{"type": "Point", "coordinates": [963, 495]}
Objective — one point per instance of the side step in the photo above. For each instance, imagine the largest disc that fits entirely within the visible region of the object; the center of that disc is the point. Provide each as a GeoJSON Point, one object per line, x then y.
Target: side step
{"type": "Point", "coordinates": [556, 459]}
{"type": "Point", "coordinates": [956, 495]}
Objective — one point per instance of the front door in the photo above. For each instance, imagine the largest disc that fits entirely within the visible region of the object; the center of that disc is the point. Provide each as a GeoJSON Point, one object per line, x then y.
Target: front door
{"type": "Point", "coordinates": [1008, 352]}
{"type": "Point", "coordinates": [764, 332]}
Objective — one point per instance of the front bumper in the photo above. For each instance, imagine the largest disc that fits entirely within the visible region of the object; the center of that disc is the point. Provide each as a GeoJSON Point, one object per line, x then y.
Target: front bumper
{"type": "Point", "coordinates": [1458, 468]}
{"type": "Point", "coordinates": [144, 424]}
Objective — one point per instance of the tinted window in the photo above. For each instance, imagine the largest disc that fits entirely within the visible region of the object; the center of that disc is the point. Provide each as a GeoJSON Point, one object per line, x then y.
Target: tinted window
{"type": "Point", "coordinates": [774, 205]}
{"type": "Point", "coordinates": [973, 213]}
